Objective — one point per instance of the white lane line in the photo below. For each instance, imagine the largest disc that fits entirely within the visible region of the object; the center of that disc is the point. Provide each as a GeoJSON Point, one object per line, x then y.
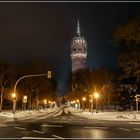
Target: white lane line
{"type": "Point", "coordinates": [136, 128]}
{"type": "Point", "coordinates": [35, 138]}
{"type": "Point", "coordinates": [61, 121]}
{"type": "Point", "coordinates": [47, 125]}
{"type": "Point", "coordinates": [92, 127]}
{"type": "Point", "coordinates": [134, 122]}
{"type": "Point", "coordinates": [21, 128]}
{"type": "Point", "coordinates": [100, 123]}
{"type": "Point", "coordinates": [107, 125]}
{"type": "Point", "coordinates": [123, 129]}
{"type": "Point", "coordinates": [57, 137]}
{"type": "Point", "coordinates": [40, 132]}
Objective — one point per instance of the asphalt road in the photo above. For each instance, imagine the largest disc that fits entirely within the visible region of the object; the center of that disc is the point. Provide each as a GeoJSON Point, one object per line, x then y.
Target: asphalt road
{"type": "Point", "coordinates": [62, 124]}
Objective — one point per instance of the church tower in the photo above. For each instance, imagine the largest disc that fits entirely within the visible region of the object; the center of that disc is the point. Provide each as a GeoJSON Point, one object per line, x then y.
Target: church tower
{"type": "Point", "coordinates": [78, 51]}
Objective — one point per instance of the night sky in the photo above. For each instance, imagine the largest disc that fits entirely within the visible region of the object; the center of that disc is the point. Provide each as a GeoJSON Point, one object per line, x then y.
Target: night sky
{"type": "Point", "coordinates": [44, 31]}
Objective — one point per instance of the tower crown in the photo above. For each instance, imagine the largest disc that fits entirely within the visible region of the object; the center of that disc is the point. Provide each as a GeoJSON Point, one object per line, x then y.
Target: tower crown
{"type": "Point", "coordinates": [78, 29]}
{"type": "Point", "coordinates": [78, 50]}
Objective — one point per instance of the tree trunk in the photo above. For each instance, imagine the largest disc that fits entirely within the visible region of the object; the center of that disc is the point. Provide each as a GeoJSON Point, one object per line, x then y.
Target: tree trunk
{"type": "Point", "coordinates": [108, 101]}
{"type": "Point", "coordinates": [1, 99]}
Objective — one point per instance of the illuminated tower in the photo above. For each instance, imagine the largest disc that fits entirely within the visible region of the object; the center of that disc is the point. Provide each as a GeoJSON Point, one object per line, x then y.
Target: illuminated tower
{"type": "Point", "coordinates": [78, 51]}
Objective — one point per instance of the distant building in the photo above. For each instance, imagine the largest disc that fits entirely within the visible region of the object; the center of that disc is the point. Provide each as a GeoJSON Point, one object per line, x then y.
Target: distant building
{"type": "Point", "coordinates": [78, 51]}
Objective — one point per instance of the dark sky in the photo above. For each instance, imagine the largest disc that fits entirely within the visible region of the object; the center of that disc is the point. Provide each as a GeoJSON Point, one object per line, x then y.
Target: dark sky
{"type": "Point", "coordinates": [44, 31]}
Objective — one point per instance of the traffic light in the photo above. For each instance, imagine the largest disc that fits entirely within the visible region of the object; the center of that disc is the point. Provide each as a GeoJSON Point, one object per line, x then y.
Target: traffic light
{"type": "Point", "coordinates": [90, 98]}
{"type": "Point", "coordinates": [49, 74]}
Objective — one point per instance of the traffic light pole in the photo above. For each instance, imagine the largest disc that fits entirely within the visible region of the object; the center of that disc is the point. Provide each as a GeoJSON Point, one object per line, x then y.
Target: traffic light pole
{"type": "Point", "coordinates": [91, 104]}
{"type": "Point", "coordinates": [27, 76]}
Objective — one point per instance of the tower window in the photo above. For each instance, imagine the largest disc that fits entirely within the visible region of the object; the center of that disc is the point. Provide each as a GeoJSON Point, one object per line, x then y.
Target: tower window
{"type": "Point", "coordinates": [74, 49]}
{"type": "Point", "coordinates": [79, 49]}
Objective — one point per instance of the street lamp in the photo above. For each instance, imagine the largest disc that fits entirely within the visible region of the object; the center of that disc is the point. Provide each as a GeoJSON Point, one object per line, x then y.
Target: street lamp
{"type": "Point", "coordinates": [24, 102]}
{"type": "Point", "coordinates": [83, 100]}
{"type": "Point", "coordinates": [14, 98]}
{"type": "Point", "coordinates": [78, 102]}
{"type": "Point", "coordinates": [45, 102]}
{"type": "Point", "coordinates": [96, 96]}
{"type": "Point", "coordinates": [91, 100]}
{"type": "Point", "coordinates": [137, 101]}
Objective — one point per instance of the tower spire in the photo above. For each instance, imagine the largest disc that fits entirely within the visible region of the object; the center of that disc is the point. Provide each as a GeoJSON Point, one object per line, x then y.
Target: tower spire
{"type": "Point", "coordinates": [78, 28]}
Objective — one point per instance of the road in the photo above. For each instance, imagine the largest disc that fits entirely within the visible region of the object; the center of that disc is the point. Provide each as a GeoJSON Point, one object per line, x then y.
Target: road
{"type": "Point", "coordinates": [62, 124]}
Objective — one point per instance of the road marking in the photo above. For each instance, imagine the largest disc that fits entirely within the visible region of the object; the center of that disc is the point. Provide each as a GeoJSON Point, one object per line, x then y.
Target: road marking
{"type": "Point", "coordinates": [21, 128]}
{"type": "Point", "coordinates": [47, 125]}
{"type": "Point", "coordinates": [136, 128]}
{"type": "Point", "coordinates": [38, 131]}
{"type": "Point", "coordinates": [123, 129]}
{"type": "Point", "coordinates": [31, 121]}
{"type": "Point", "coordinates": [57, 137]}
{"type": "Point", "coordinates": [35, 138]}
{"type": "Point", "coordinates": [96, 127]}
{"type": "Point", "coordinates": [100, 123]}
{"type": "Point", "coordinates": [134, 122]}
{"type": "Point", "coordinates": [60, 121]}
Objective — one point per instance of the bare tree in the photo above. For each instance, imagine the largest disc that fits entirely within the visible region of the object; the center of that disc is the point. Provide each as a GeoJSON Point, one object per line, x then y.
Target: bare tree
{"type": "Point", "coordinates": [128, 36]}
{"type": "Point", "coordinates": [5, 77]}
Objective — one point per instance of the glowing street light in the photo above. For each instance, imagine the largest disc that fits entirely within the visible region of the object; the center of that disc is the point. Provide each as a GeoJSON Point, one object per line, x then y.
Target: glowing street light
{"type": "Point", "coordinates": [24, 101]}
{"type": "Point", "coordinates": [83, 100]}
{"type": "Point", "coordinates": [14, 98]}
{"type": "Point", "coordinates": [45, 102]}
{"type": "Point", "coordinates": [96, 96]}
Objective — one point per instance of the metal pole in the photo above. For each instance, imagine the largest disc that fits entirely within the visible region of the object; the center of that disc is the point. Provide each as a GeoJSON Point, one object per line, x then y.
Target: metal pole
{"type": "Point", "coordinates": [96, 105]}
{"type": "Point", "coordinates": [137, 104]}
{"type": "Point", "coordinates": [92, 106]}
{"type": "Point", "coordinates": [26, 76]}
{"type": "Point", "coordinates": [24, 105]}
{"type": "Point", "coordinates": [14, 106]}
{"type": "Point", "coordinates": [79, 105]}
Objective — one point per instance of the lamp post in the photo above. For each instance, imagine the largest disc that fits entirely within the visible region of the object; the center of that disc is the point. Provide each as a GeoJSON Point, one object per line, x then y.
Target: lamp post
{"type": "Point", "coordinates": [96, 95]}
{"type": "Point", "coordinates": [91, 100]}
{"type": "Point", "coordinates": [78, 102]}
{"type": "Point", "coordinates": [137, 101]}
{"type": "Point", "coordinates": [24, 102]}
{"type": "Point", "coordinates": [45, 102]}
{"type": "Point", "coordinates": [83, 100]}
{"type": "Point", "coordinates": [14, 98]}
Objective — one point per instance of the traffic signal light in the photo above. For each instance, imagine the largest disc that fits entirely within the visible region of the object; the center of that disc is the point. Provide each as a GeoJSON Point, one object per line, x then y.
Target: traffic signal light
{"type": "Point", "coordinates": [49, 74]}
{"type": "Point", "coordinates": [91, 98]}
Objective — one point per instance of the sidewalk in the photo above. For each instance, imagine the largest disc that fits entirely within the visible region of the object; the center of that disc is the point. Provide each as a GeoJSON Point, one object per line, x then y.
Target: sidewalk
{"type": "Point", "coordinates": [7, 115]}
{"type": "Point", "coordinates": [115, 115]}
